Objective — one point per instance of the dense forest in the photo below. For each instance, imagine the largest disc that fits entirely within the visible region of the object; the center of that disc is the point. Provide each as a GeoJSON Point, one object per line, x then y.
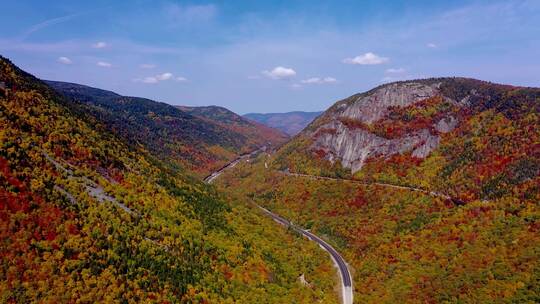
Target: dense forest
{"type": "Point", "coordinates": [91, 212]}
{"type": "Point", "coordinates": [467, 231]}
{"type": "Point", "coordinates": [88, 217]}
{"type": "Point", "coordinates": [200, 140]}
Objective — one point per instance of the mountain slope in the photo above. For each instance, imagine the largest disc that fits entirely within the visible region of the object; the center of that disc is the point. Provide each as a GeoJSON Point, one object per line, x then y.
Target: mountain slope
{"type": "Point", "coordinates": [236, 123]}
{"type": "Point", "coordinates": [87, 217]}
{"type": "Point", "coordinates": [395, 127]}
{"type": "Point", "coordinates": [411, 145]}
{"type": "Point", "coordinates": [291, 122]}
{"type": "Point", "coordinates": [200, 145]}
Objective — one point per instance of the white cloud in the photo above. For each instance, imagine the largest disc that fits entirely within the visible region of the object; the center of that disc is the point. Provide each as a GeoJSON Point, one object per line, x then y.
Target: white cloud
{"type": "Point", "coordinates": [64, 60]}
{"type": "Point", "coordinates": [296, 86]}
{"type": "Point", "coordinates": [366, 59]}
{"type": "Point", "coordinates": [318, 80]}
{"type": "Point", "coordinates": [395, 71]}
{"type": "Point", "coordinates": [147, 66]}
{"type": "Point", "coordinates": [104, 64]}
{"type": "Point", "coordinates": [280, 73]}
{"type": "Point", "coordinates": [160, 77]}
{"type": "Point", "coordinates": [99, 45]}
{"type": "Point", "coordinates": [431, 45]}
{"type": "Point", "coordinates": [164, 76]}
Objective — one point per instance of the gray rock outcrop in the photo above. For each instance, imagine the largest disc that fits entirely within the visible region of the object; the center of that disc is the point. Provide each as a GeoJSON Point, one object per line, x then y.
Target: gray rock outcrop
{"type": "Point", "coordinates": [352, 146]}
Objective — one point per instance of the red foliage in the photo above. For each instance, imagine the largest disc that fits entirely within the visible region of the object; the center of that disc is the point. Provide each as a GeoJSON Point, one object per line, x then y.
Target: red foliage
{"type": "Point", "coordinates": [73, 229]}
{"type": "Point", "coordinates": [116, 175]}
{"type": "Point", "coordinates": [405, 120]}
{"type": "Point", "coordinates": [475, 212]}
{"type": "Point", "coordinates": [359, 200]}
{"type": "Point", "coordinates": [320, 153]}
{"type": "Point", "coordinates": [226, 272]}
{"type": "Point", "coordinates": [332, 213]}
{"type": "Point", "coordinates": [51, 235]}
{"type": "Point", "coordinates": [28, 215]}
{"type": "Point", "coordinates": [353, 123]}
{"type": "Point", "coordinates": [305, 196]}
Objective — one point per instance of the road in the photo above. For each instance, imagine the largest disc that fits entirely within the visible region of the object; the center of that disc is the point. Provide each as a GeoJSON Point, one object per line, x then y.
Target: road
{"type": "Point", "coordinates": [339, 262]}
{"type": "Point", "coordinates": [210, 178]}
{"type": "Point", "coordinates": [432, 193]}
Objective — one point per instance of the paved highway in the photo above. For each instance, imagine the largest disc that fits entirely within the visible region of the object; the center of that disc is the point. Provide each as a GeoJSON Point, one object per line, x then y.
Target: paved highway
{"type": "Point", "coordinates": [339, 262]}
{"type": "Point", "coordinates": [210, 178]}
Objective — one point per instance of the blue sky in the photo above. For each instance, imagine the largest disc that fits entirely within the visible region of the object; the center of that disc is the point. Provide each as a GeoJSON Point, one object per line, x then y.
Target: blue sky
{"type": "Point", "coordinates": [269, 56]}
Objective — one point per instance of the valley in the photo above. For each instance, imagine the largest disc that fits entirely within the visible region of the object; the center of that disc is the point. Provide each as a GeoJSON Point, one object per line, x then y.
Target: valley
{"type": "Point", "coordinates": [197, 139]}
{"type": "Point", "coordinates": [270, 152]}
{"type": "Point", "coordinates": [88, 216]}
{"type": "Point", "coordinates": [345, 277]}
{"type": "Point", "coordinates": [291, 122]}
{"type": "Point", "coordinates": [458, 224]}
{"type": "Point", "coordinates": [417, 191]}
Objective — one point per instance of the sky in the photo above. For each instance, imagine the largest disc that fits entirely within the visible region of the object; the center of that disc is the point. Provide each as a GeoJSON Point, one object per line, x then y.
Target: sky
{"type": "Point", "coordinates": [269, 56]}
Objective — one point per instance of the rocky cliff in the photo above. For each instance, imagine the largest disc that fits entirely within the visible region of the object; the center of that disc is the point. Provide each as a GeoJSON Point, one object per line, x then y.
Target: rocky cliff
{"type": "Point", "coordinates": [398, 118]}
{"type": "Point", "coordinates": [344, 132]}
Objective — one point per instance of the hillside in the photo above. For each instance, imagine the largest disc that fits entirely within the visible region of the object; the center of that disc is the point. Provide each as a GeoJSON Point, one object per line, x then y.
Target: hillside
{"type": "Point", "coordinates": [480, 135]}
{"type": "Point", "coordinates": [434, 190]}
{"type": "Point", "coordinates": [238, 124]}
{"type": "Point", "coordinates": [88, 217]}
{"type": "Point", "coordinates": [199, 145]}
{"type": "Point", "coordinates": [291, 122]}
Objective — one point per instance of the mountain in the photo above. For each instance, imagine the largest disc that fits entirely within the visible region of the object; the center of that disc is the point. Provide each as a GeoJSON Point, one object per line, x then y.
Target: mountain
{"type": "Point", "coordinates": [290, 122]}
{"type": "Point", "coordinates": [415, 121]}
{"type": "Point", "coordinates": [200, 145]}
{"type": "Point", "coordinates": [236, 123]}
{"type": "Point", "coordinates": [88, 216]}
{"type": "Point", "coordinates": [430, 190]}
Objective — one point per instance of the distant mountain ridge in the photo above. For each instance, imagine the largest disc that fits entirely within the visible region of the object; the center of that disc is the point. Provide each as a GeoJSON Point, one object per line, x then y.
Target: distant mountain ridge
{"type": "Point", "coordinates": [196, 143]}
{"type": "Point", "coordinates": [215, 113]}
{"type": "Point", "coordinates": [236, 123]}
{"type": "Point", "coordinates": [289, 122]}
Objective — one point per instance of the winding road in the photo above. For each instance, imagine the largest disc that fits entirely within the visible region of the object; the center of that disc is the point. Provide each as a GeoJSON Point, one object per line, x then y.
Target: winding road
{"type": "Point", "coordinates": [210, 178]}
{"type": "Point", "coordinates": [428, 192]}
{"type": "Point", "coordinates": [339, 262]}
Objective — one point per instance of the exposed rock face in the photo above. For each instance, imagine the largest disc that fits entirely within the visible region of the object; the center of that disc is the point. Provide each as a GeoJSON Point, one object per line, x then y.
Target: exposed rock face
{"type": "Point", "coordinates": [446, 124]}
{"type": "Point", "coordinates": [371, 108]}
{"type": "Point", "coordinates": [353, 145]}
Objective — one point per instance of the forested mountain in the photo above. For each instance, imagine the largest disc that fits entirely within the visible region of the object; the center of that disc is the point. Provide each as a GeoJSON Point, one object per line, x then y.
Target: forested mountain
{"type": "Point", "coordinates": [431, 193]}
{"type": "Point", "coordinates": [480, 137]}
{"type": "Point", "coordinates": [236, 123]}
{"type": "Point", "coordinates": [290, 122]}
{"type": "Point", "coordinates": [86, 216]}
{"type": "Point", "coordinates": [200, 145]}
